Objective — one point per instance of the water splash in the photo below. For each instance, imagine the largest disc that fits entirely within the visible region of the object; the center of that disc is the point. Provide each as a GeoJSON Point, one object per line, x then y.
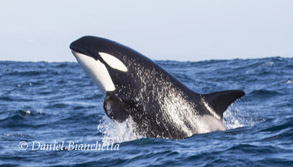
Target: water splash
{"type": "Point", "coordinates": [123, 132]}
{"type": "Point", "coordinates": [117, 132]}
{"type": "Point", "coordinates": [234, 119]}
{"type": "Point", "coordinates": [231, 121]}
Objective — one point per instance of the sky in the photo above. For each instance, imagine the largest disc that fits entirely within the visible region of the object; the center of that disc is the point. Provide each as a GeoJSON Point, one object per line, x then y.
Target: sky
{"type": "Point", "coordinates": [183, 30]}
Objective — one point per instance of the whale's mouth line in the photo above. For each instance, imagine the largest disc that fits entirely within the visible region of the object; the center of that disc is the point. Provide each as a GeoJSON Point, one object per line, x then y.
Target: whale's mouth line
{"type": "Point", "coordinates": [78, 55]}
{"type": "Point", "coordinates": [76, 49]}
{"type": "Point", "coordinates": [84, 53]}
{"type": "Point", "coordinates": [74, 53]}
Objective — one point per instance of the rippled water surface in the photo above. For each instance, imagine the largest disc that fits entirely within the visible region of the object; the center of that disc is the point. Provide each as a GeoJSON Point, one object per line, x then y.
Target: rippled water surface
{"type": "Point", "coordinates": [46, 109]}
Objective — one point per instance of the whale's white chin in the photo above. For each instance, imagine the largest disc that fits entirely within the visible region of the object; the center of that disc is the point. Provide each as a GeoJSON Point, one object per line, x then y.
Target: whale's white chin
{"type": "Point", "coordinates": [96, 70]}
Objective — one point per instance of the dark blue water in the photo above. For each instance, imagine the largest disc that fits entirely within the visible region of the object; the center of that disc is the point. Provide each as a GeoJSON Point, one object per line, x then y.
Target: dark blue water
{"type": "Point", "coordinates": [46, 104]}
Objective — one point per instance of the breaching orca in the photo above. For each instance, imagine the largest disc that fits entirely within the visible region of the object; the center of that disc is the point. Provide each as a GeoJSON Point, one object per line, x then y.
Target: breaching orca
{"type": "Point", "coordinates": [138, 89]}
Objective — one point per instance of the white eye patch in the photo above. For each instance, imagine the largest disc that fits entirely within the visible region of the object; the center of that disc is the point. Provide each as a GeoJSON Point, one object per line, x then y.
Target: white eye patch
{"type": "Point", "coordinates": [113, 62]}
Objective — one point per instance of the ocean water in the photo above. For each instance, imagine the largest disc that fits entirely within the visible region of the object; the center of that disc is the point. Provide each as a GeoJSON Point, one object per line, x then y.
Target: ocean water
{"type": "Point", "coordinates": [51, 114]}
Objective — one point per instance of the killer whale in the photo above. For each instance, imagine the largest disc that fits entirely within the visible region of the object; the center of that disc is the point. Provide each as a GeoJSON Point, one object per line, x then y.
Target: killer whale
{"type": "Point", "coordinates": [137, 88]}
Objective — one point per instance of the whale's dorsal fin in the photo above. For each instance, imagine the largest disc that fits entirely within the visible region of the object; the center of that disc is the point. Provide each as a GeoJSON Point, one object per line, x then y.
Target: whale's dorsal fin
{"type": "Point", "coordinates": [220, 101]}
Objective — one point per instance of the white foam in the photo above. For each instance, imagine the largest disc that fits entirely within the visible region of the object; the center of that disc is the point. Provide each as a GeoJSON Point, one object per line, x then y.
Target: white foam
{"type": "Point", "coordinates": [117, 132]}
{"type": "Point", "coordinates": [123, 132]}
{"type": "Point", "coordinates": [232, 119]}
{"type": "Point", "coordinates": [27, 112]}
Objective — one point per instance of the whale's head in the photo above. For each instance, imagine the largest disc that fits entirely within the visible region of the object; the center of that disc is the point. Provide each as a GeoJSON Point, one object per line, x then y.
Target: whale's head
{"type": "Point", "coordinates": [105, 61]}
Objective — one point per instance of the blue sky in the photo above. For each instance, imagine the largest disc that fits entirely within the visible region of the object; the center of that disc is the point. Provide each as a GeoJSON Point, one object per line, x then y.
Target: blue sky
{"type": "Point", "coordinates": [34, 30]}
